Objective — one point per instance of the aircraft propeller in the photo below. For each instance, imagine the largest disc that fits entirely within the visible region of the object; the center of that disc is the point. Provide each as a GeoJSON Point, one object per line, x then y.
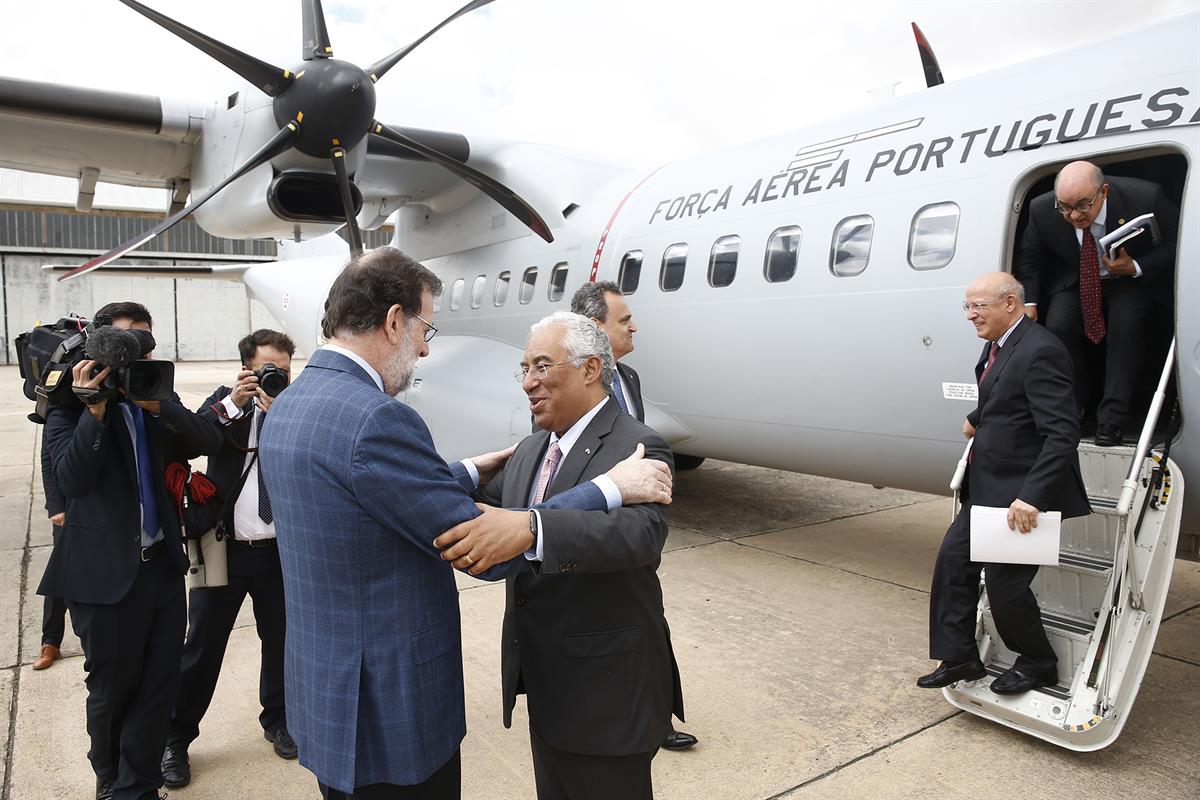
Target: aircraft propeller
{"type": "Point", "coordinates": [324, 109]}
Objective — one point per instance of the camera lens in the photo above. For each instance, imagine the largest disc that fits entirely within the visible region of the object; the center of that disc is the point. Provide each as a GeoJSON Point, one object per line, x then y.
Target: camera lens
{"type": "Point", "coordinates": [272, 379]}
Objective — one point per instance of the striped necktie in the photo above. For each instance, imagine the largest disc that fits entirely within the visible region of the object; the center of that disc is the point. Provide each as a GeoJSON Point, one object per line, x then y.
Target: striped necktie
{"type": "Point", "coordinates": [619, 391]}
{"type": "Point", "coordinates": [549, 467]}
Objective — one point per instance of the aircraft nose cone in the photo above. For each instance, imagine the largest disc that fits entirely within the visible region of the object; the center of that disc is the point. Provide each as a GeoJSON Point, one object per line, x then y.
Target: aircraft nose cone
{"type": "Point", "coordinates": [334, 101]}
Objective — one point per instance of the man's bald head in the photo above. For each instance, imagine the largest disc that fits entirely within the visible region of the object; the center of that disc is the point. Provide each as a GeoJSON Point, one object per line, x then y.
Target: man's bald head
{"type": "Point", "coordinates": [1080, 185]}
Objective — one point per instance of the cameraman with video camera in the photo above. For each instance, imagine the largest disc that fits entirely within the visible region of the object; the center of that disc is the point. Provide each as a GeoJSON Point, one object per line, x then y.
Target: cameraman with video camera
{"type": "Point", "coordinates": [237, 415]}
{"type": "Point", "coordinates": [119, 562]}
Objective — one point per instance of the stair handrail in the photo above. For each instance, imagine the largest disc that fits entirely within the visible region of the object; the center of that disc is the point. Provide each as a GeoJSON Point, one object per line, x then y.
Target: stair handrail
{"type": "Point", "coordinates": [956, 481]}
{"type": "Point", "coordinates": [1129, 487]}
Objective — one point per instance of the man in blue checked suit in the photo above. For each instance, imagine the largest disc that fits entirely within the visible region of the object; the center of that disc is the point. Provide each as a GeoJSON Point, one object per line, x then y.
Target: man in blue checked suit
{"type": "Point", "coordinates": [373, 660]}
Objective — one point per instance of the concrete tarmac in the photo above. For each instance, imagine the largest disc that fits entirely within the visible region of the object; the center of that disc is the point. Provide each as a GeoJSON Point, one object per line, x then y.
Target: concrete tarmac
{"type": "Point", "coordinates": [798, 610]}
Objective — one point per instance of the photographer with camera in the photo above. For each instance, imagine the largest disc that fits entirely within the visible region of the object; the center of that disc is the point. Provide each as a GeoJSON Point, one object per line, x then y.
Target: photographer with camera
{"type": "Point", "coordinates": [119, 561]}
{"type": "Point", "coordinates": [237, 414]}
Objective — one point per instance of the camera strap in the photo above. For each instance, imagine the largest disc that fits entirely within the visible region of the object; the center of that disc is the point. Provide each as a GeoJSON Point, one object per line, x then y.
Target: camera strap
{"type": "Point", "coordinates": [232, 496]}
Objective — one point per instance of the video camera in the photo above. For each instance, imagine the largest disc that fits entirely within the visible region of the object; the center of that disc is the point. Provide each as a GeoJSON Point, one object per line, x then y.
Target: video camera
{"type": "Point", "coordinates": [48, 353]}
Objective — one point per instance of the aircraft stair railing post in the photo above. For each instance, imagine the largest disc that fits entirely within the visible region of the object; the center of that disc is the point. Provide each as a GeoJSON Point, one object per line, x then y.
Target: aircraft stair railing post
{"type": "Point", "coordinates": [960, 472]}
{"type": "Point", "coordinates": [1131, 481]}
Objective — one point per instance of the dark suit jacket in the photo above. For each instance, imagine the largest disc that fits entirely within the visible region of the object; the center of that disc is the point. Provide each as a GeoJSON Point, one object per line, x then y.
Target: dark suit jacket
{"type": "Point", "coordinates": [55, 502]}
{"type": "Point", "coordinates": [1048, 257]}
{"type": "Point", "coordinates": [631, 379]}
{"type": "Point", "coordinates": [1027, 427]}
{"type": "Point", "coordinates": [225, 467]}
{"type": "Point", "coordinates": [97, 556]}
{"type": "Point", "coordinates": [584, 634]}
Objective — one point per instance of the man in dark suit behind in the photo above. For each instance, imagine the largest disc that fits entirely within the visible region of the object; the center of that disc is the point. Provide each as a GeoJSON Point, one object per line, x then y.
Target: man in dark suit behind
{"type": "Point", "coordinates": [54, 610]}
{"type": "Point", "coordinates": [373, 654]}
{"type": "Point", "coordinates": [119, 564]}
{"type": "Point", "coordinates": [1025, 458]}
{"type": "Point", "coordinates": [584, 635]}
{"type": "Point", "coordinates": [605, 304]}
{"type": "Point", "coordinates": [1100, 307]}
{"type": "Point", "coordinates": [237, 414]}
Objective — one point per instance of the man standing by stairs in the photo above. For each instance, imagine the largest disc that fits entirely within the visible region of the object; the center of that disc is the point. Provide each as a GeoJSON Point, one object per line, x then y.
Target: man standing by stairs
{"type": "Point", "coordinates": [1025, 457]}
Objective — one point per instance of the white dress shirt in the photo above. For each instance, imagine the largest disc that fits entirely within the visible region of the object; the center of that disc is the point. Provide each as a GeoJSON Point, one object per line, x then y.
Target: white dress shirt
{"type": "Point", "coordinates": [247, 524]}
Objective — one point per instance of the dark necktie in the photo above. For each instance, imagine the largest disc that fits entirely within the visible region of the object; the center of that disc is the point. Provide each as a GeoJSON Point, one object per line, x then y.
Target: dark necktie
{"type": "Point", "coordinates": [1089, 289]}
{"type": "Point", "coordinates": [619, 392]}
{"type": "Point", "coordinates": [264, 501]}
{"type": "Point", "coordinates": [145, 478]}
{"type": "Point", "coordinates": [991, 360]}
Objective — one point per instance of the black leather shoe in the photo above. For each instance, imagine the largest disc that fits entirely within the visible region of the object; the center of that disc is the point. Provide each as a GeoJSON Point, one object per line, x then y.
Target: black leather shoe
{"type": "Point", "coordinates": [104, 789]}
{"type": "Point", "coordinates": [1108, 435]}
{"type": "Point", "coordinates": [678, 740]}
{"type": "Point", "coordinates": [949, 672]}
{"type": "Point", "coordinates": [285, 747]}
{"type": "Point", "coordinates": [1017, 682]}
{"type": "Point", "coordinates": [176, 771]}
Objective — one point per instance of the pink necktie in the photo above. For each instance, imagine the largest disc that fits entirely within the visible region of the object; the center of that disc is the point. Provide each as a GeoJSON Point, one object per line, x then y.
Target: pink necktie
{"type": "Point", "coordinates": [549, 465]}
{"type": "Point", "coordinates": [1089, 289]}
{"type": "Point", "coordinates": [991, 360]}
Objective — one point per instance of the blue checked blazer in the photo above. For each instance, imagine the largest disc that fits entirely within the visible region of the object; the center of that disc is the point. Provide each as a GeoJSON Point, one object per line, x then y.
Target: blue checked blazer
{"type": "Point", "coordinates": [373, 664]}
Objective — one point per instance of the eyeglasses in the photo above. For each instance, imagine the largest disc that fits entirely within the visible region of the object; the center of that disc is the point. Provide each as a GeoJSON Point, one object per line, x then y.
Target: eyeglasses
{"type": "Point", "coordinates": [430, 331]}
{"type": "Point", "coordinates": [1080, 208]}
{"type": "Point", "coordinates": [539, 370]}
{"type": "Point", "coordinates": [976, 307]}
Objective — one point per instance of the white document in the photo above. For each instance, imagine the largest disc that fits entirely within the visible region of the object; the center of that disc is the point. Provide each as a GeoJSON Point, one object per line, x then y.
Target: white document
{"type": "Point", "coordinates": [1112, 242]}
{"type": "Point", "coordinates": [992, 541]}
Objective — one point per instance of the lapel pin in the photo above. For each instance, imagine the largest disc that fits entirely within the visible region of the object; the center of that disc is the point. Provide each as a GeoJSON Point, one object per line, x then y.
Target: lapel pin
{"type": "Point", "coordinates": [1120, 222]}
{"type": "Point", "coordinates": [587, 451]}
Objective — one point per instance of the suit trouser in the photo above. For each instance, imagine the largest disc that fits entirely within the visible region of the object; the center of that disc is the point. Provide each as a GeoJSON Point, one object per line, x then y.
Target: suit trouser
{"type": "Point", "coordinates": [560, 775]}
{"type": "Point", "coordinates": [131, 657]}
{"type": "Point", "coordinates": [253, 571]}
{"type": "Point", "coordinates": [1126, 306]}
{"type": "Point", "coordinates": [954, 597]}
{"type": "Point", "coordinates": [54, 611]}
{"type": "Point", "coordinates": [445, 784]}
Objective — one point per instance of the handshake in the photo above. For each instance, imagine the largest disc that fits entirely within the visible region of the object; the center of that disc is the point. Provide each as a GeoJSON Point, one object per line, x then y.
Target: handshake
{"type": "Point", "coordinates": [499, 535]}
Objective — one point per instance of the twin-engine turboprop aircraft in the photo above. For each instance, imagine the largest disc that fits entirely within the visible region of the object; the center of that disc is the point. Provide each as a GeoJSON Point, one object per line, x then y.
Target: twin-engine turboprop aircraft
{"type": "Point", "coordinates": [799, 295]}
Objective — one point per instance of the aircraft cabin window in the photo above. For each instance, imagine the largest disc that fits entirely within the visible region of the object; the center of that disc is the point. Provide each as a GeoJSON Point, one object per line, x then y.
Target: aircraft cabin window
{"type": "Point", "coordinates": [477, 291]}
{"type": "Point", "coordinates": [630, 272]}
{"type": "Point", "coordinates": [456, 293]}
{"type": "Point", "coordinates": [933, 237]}
{"type": "Point", "coordinates": [722, 264]}
{"type": "Point", "coordinates": [558, 282]}
{"type": "Point", "coordinates": [670, 277]}
{"type": "Point", "coordinates": [783, 253]}
{"type": "Point", "coordinates": [528, 281]}
{"type": "Point", "coordinates": [851, 246]}
{"type": "Point", "coordinates": [500, 296]}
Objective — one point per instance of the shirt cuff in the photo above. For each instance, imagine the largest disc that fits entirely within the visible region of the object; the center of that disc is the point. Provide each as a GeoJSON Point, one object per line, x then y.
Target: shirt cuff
{"type": "Point", "coordinates": [1028, 305]}
{"type": "Point", "coordinates": [536, 553]}
{"type": "Point", "coordinates": [232, 412]}
{"type": "Point", "coordinates": [612, 495]}
{"type": "Point", "coordinates": [1137, 270]}
{"type": "Point", "coordinates": [472, 470]}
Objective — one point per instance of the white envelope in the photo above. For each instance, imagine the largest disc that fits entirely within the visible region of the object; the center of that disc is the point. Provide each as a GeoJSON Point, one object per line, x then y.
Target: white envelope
{"type": "Point", "coordinates": [992, 541]}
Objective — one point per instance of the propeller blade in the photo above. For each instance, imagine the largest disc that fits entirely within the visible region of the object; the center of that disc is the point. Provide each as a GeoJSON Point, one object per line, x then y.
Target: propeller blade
{"type": "Point", "coordinates": [933, 73]}
{"type": "Point", "coordinates": [339, 166]}
{"type": "Point", "coordinates": [506, 197]}
{"type": "Point", "coordinates": [280, 142]}
{"type": "Point", "coordinates": [316, 37]}
{"type": "Point", "coordinates": [272, 80]}
{"type": "Point", "coordinates": [380, 68]}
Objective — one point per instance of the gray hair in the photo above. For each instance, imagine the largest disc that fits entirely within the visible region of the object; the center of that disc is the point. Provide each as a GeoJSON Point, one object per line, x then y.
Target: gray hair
{"type": "Point", "coordinates": [589, 299]}
{"type": "Point", "coordinates": [1010, 285]}
{"type": "Point", "coordinates": [583, 340]}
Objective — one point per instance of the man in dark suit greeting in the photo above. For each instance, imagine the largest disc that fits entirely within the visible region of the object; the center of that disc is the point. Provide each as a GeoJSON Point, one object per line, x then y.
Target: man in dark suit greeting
{"type": "Point", "coordinates": [584, 635]}
{"type": "Point", "coordinates": [1099, 306]}
{"type": "Point", "coordinates": [1026, 432]}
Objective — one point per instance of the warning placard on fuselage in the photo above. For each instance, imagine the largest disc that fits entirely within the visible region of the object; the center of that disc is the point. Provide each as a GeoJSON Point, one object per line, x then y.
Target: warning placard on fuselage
{"type": "Point", "coordinates": [960, 391]}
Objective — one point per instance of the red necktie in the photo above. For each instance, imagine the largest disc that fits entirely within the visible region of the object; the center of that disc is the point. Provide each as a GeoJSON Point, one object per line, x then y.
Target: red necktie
{"type": "Point", "coordinates": [1089, 289]}
{"type": "Point", "coordinates": [991, 360]}
{"type": "Point", "coordinates": [549, 467]}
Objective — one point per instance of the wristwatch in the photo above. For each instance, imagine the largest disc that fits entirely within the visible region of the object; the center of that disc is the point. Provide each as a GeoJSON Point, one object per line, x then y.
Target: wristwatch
{"type": "Point", "coordinates": [533, 524]}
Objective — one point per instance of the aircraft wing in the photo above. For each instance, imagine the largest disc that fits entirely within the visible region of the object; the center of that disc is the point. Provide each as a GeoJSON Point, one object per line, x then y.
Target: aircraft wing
{"type": "Point", "coordinates": [94, 134]}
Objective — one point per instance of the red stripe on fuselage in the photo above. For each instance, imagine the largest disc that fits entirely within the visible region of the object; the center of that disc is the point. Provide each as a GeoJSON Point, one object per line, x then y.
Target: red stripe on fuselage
{"type": "Point", "coordinates": [611, 220]}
